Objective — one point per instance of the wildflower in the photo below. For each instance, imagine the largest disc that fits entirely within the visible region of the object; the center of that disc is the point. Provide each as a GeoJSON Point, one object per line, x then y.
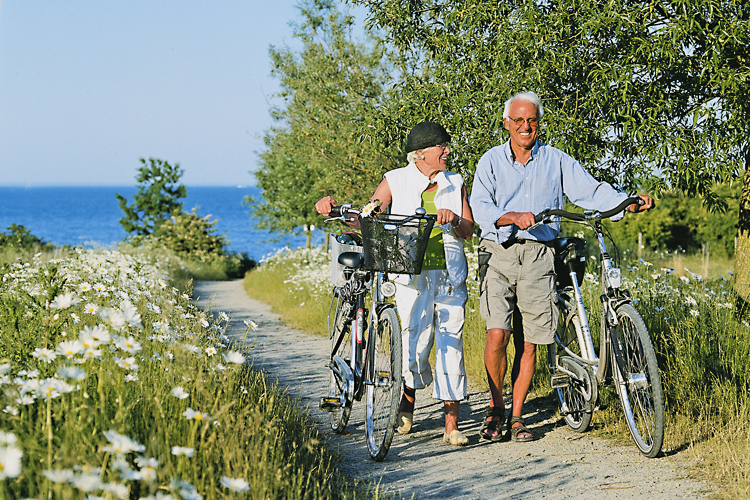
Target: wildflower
{"type": "Point", "coordinates": [131, 377]}
{"type": "Point", "coordinates": [223, 316]}
{"type": "Point", "coordinates": [694, 312]}
{"type": "Point", "coordinates": [26, 399]}
{"type": "Point", "coordinates": [129, 345]}
{"type": "Point", "coordinates": [250, 324]}
{"type": "Point", "coordinates": [100, 287]}
{"type": "Point", "coordinates": [69, 348]}
{"type": "Point", "coordinates": [90, 353]}
{"type": "Point", "coordinates": [64, 301]}
{"type": "Point", "coordinates": [186, 490]}
{"type": "Point", "coordinates": [46, 355]}
{"type": "Point", "coordinates": [85, 287]}
{"type": "Point", "coordinates": [51, 388]}
{"type": "Point", "coordinates": [685, 279]}
{"type": "Point", "coordinates": [75, 317]}
{"type": "Point", "coordinates": [59, 475]}
{"type": "Point", "coordinates": [119, 490]}
{"type": "Point", "coordinates": [656, 276]}
{"type": "Point", "coordinates": [725, 305]}
{"type": "Point", "coordinates": [180, 393]}
{"type": "Point", "coordinates": [86, 481]}
{"type": "Point", "coordinates": [132, 317]}
{"type": "Point", "coordinates": [191, 348]}
{"type": "Point", "coordinates": [72, 373]}
{"type": "Point", "coordinates": [120, 443]}
{"type": "Point", "coordinates": [204, 323]}
{"type": "Point", "coordinates": [370, 208]}
{"type": "Point", "coordinates": [210, 351]}
{"type": "Point", "coordinates": [690, 301]}
{"type": "Point", "coordinates": [237, 485]}
{"type": "Point", "coordinates": [127, 363]}
{"type": "Point", "coordinates": [113, 317]}
{"type": "Point", "coordinates": [182, 451]}
{"type": "Point", "coordinates": [234, 357]}
{"type": "Point", "coordinates": [11, 410]}
{"type": "Point", "coordinates": [4, 368]}
{"type": "Point", "coordinates": [191, 414]}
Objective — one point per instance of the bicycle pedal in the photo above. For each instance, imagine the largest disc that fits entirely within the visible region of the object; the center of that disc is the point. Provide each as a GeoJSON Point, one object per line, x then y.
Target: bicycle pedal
{"type": "Point", "coordinates": [329, 404]}
{"type": "Point", "coordinates": [559, 381]}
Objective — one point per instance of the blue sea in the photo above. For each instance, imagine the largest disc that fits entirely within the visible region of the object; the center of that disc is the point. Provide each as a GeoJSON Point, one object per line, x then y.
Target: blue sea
{"type": "Point", "coordinates": [89, 216]}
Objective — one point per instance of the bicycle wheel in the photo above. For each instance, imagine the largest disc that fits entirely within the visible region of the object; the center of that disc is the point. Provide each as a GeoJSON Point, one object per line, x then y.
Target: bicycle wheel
{"type": "Point", "coordinates": [384, 388]}
{"type": "Point", "coordinates": [572, 399]}
{"type": "Point", "coordinates": [341, 346]}
{"type": "Point", "coordinates": [637, 381]}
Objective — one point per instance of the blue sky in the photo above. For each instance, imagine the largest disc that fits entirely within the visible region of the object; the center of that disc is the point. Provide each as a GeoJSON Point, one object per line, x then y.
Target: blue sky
{"type": "Point", "coordinates": [87, 87]}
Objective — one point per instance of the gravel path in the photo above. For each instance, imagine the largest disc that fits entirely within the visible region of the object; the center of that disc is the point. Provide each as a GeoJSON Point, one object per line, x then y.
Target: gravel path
{"type": "Point", "coordinates": [559, 465]}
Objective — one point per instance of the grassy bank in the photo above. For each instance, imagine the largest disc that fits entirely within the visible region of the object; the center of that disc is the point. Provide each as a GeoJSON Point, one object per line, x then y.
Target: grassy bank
{"type": "Point", "coordinates": [702, 348]}
{"type": "Point", "coordinates": [115, 386]}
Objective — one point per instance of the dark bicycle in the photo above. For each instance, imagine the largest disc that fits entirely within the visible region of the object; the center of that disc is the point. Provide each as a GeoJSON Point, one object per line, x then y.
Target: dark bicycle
{"type": "Point", "coordinates": [366, 353]}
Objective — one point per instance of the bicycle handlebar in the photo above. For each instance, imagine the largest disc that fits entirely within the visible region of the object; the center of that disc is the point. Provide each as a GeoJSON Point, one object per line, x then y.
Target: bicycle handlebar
{"type": "Point", "coordinates": [587, 216]}
{"type": "Point", "coordinates": [341, 212]}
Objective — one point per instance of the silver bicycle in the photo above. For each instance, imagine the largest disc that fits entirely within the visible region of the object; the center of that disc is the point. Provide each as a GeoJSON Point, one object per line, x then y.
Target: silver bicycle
{"type": "Point", "coordinates": [626, 355]}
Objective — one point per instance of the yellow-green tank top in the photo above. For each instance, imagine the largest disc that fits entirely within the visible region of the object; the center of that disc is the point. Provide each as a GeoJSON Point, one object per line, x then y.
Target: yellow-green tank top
{"type": "Point", "coordinates": [434, 256]}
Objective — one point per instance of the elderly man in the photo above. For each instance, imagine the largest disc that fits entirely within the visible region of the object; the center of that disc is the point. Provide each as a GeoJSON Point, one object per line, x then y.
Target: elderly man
{"type": "Point", "coordinates": [512, 182]}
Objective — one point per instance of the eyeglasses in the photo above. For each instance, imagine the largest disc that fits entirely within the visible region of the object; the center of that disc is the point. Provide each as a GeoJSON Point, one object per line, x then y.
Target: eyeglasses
{"type": "Point", "coordinates": [533, 122]}
{"type": "Point", "coordinates": [442, 146]}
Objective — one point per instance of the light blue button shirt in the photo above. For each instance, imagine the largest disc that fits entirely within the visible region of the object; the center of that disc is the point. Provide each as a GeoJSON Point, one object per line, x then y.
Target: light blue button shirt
{"type": "Point", "coordinates": [503, 185]}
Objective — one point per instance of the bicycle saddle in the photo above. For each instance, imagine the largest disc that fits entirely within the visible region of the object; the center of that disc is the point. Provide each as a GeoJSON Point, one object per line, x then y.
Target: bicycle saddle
{"type": "Point", "coordinates": [562, 245]}
{"type": "Point", "coordinates": [353, 260]}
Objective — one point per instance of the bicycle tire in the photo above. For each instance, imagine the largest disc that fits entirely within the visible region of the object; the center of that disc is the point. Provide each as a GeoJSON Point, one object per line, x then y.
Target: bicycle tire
{"type": "Point", "coordinates": [637, 381]}
{"type": "Point", "coordinates": [575, 410]}
{"type": "Point", "coordinates": [341, 344]}
{"type": "Point", "coordinates": [384, 389]}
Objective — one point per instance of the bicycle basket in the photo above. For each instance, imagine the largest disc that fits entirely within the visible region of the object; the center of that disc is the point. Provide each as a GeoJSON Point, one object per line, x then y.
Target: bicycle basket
{"type": "Point", "coordinates": [394, 244]}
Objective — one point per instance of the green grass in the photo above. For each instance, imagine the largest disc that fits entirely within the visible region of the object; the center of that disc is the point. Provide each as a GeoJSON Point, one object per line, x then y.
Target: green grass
{"type": "Point", "coordinates": [60, 411]}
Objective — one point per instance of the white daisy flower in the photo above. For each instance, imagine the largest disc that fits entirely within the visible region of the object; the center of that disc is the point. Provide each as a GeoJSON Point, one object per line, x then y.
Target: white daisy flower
{"type": "Point", "coordinates": [90, 308]}
{"type": "Point", "coordinates": [127, 363]}
{"type": "Point", "coordinates": [69, 348]}
{"type": "Point", "coordinates": [210, 351]}
{"type": "Point", "coordinates": [4, 368]}
{"type": "Point", "coordinates": [59, 476]}
{"type": "Point", "coordinates": [86, 482]}
{"type": "Point", "coordinates": [250, 324]}
{"type": "Point", "coordinates": [85, 287]}
{"type": "Point", "coordinates": [130, 345]}
{"type": "Point", "coordinates": [120, 443]}
{"type": "Point", "coordinates": [234, 357]}
{"type": "Point", "coordinates": [235, 484]}
{"type": "Point", "coordinates": [191, 414]}
{"type": "Point", "coordinates": [180, 393]}
{"type": "Point", "coordinates": [46, 355]}
{"type": "Point", "coordinates": [64, 301]}
{"type": "Point", "coordinates": [72, 373]}
{"type": "Point", "coordinates": [131, 377]}
{"type": "Point", "coordinates": [182, 451]}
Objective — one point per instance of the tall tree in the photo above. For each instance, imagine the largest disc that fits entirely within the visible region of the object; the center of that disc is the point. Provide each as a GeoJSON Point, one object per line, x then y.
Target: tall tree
{"type": "Point", "coordinates": [634, 89]}
{"type": "Point", "coordinates": [158, 197]}
{"type": "Point", "coordinates": [321, 142]}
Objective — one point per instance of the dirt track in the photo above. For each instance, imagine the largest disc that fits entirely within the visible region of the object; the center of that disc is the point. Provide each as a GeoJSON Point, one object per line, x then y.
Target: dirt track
{"type": "Point", "coordinates": [560, 464]}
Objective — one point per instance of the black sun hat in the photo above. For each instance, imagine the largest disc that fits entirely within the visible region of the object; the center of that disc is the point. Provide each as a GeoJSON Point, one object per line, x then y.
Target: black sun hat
{"type": "Point", "coordinates": [425, 135]}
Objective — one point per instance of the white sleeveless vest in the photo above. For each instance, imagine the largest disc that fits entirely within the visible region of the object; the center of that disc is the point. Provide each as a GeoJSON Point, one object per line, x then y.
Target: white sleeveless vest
{"type": "Point", "coordinates": [407, 184]}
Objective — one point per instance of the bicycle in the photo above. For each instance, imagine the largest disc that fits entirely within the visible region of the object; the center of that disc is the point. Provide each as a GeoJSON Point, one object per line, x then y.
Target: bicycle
{"type": "Point", "coordinates": [626, 354]}
{"type": "Point", "coordinates": [366, 356]}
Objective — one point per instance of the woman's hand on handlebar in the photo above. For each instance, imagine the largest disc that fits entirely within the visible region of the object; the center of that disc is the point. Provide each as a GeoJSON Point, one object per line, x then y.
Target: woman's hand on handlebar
{"type": "Point", "coordinates": [445, 216]}
{"type": "Point", "coordinates": [324, 205]}
{"type": "Point", "coordinates": [647, 203]}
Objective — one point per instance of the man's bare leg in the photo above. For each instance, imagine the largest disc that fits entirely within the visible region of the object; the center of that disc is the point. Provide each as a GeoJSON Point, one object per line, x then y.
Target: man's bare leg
{"type": "Point", "coordinates": [496, 364]}
{"type": "Point", "coordinates": [523, 382]}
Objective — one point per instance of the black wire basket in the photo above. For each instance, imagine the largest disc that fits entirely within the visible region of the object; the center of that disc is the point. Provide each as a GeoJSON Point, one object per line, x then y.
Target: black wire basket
{"type": "Point", "coordinates": [395, 243]}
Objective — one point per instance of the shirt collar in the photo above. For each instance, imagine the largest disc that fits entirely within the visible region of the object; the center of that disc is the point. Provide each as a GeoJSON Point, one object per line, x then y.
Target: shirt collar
{"type": "Point", "coordinates": [512, 157]}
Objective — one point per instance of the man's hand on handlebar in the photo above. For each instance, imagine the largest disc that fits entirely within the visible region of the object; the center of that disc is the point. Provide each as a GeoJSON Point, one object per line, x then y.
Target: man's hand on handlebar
{"type": "Point", "coordinates": [523, 220]}
{"type": "Point", "coordinates": [647, 203]}
{"type": "Point", "coordinates": [324, 205]}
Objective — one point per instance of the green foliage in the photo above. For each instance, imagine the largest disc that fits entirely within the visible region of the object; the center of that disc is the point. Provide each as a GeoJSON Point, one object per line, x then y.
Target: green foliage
{"type": "Point", "coordinates": [20, 238]}
{"type": "Point", "coordinates": [190, 234]}
{"type": "Point", "coordinates": [322, 141]}
{"type": "Point", "coordinates": [630, 87]}
{"type": "Point", "coordinates": [157, 199]}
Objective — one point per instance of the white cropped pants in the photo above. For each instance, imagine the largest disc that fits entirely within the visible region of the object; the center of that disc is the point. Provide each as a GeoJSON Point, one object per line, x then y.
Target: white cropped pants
{"type": "Point", "coordinates": [432, 310]}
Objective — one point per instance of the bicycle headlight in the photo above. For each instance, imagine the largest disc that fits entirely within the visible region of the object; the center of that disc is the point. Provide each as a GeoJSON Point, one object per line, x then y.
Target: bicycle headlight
{"type": "Point", "coordinates": [614, 277]}
{"type": "Point", "coordinates": [388, 289]}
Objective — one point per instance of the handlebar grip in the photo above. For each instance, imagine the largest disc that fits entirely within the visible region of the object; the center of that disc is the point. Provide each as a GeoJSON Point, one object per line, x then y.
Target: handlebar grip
{"type": "Point", "coordinates": [540, 216]}
{"type": "Point", "coordinates": [335, 212]}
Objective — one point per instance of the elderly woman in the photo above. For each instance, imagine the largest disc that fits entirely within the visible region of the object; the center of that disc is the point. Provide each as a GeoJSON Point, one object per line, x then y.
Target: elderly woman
{"type": "Point", "coordinates": [431, 304]}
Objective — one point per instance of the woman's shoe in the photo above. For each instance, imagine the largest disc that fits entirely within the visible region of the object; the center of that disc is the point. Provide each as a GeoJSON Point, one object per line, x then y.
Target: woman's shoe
{"type": "Point", "coordinates": [455, 438]}
{"type": "Point", "coordinates": [405, 420]}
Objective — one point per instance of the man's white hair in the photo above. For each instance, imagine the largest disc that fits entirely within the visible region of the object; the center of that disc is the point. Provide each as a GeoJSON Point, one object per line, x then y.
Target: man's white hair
{"type": "Point", "coordinates": [528, 97]}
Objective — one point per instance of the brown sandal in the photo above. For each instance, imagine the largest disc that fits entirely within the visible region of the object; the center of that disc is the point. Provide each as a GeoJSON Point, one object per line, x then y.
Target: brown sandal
{"type": "Point", "coordinates": [488, 429]}
{"type": "Point", "coordinates": [515, 431]}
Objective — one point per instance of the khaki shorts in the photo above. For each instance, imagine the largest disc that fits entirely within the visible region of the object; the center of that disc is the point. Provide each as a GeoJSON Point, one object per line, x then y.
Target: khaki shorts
{"type": "Point", "coordinates": [523, 276]}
